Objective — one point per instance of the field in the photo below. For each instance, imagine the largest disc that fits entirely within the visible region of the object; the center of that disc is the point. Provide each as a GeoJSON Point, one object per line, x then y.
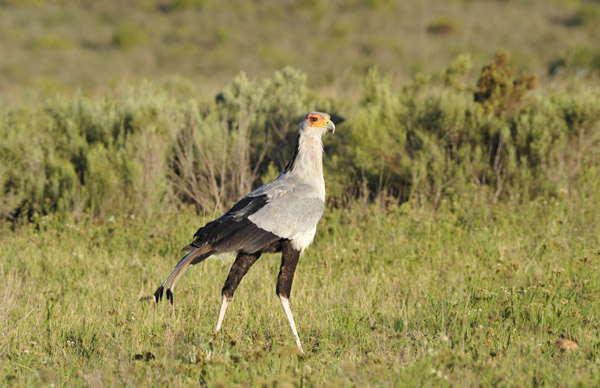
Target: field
{"type": "Point", "coordinates": [399, 296]}
{"type": "Point", "coordinates": [195, 47]}
{"type": "Point", "coordinates": [459, 245]}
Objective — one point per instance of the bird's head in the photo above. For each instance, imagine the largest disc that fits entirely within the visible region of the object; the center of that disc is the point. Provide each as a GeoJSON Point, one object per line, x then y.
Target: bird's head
{"type": "Point", "coordinates": [317, 123]}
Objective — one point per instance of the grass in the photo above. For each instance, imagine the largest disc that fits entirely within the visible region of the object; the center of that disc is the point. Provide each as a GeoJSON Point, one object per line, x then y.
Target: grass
{"type": "Point", "coordinates": [195, 48]}
{"type": "Point", "coordinates": [472, 294]}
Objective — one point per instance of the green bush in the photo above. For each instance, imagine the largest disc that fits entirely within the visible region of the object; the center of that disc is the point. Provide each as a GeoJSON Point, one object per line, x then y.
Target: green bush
{"type": "Point", "coordinates": [496, 89]}
{"type": "Point", "coordinates": [443, 144]}
{"type": "Point", "coordinates": [85, 154]}
{"type": "Point", "coordinates": [129, 35]}
{"type": "Point", "coordinates": [141, 152]}
{"type": "Point", "coordinates": [144, 151]}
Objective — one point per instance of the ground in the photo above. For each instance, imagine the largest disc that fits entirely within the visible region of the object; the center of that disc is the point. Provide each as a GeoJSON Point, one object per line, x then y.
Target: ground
{"type": "Point", "coordinates": [503, 294]}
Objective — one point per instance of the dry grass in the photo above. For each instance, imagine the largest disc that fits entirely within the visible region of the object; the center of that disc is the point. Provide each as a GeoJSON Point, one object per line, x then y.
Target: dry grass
{"type": "Point", "coordinates": [195, 51]}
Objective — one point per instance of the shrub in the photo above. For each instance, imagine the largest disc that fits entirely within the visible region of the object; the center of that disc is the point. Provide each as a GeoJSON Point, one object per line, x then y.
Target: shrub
{"type": "Point", "coordinates": [440, 143]}
{"type": "Point", "coordinates": [129, 35]}
{"type": "Point", "coordinates": [182, 5]}
{"type": "Point", "coordinates": [496, 89]}
{"type": "Point", "coordinates": [454, 75]}
{"type": "Point", "coordinates": [84, 154]}
{"type": "Point", "coordinates": [588, 14]}
{"type": "Point", "coordinates": [53, 42]}
{"type": "Point", "coordinates": [442, 25]}
{"type": "Point", "coordinates": [142, 151]}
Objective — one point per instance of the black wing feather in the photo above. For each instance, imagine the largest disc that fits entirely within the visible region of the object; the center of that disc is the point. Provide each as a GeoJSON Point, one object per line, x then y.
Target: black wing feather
{"type": "Point", "coordinates": [233, 231]}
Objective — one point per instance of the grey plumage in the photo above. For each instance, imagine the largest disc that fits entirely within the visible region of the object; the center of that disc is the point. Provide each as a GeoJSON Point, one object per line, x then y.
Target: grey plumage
{"type": "Point", "coordinates": [292, 211]}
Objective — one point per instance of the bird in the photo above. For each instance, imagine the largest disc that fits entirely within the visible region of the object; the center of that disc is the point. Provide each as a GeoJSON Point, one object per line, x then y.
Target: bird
{"type": "Point", "coordinates": [280, 216]}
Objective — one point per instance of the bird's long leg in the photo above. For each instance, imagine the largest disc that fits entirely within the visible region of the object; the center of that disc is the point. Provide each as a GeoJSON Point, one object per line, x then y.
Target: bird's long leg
{"type": "Point", "coordinates": [289, 261]}
{"type": "Point", "coordinates": [288, 312]}
{"type": "Point", "coordinates": [240, 267]}
{"type": "Point", "coordinates": [222, 313]}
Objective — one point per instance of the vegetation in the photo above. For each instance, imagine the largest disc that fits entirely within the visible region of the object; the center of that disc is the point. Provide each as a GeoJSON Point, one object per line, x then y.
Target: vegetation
{"type": "Point", "coordinates": [193, 48]}
{"type": "Point", "coordinates": [469, 295]}
{"type": "Point", "coordinates": [475, 264]}
{"type": "Point", "coordinates": [146, 151]}
{"type": "Point", "coordinates": [459, 246]}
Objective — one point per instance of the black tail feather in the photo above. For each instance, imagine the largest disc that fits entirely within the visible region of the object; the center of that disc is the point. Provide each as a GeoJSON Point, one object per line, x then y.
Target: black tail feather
{"type": "Point", "coordinates": [158, 294]}
{"type": "Point", "coordinates": [194, 257]}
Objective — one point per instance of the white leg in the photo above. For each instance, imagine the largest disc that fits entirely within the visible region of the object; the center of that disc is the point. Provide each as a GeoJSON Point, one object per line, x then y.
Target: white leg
{"type": "Point", "coordinates": [222, 313]}
{"type": "Point", "coordinates": [288, 312]}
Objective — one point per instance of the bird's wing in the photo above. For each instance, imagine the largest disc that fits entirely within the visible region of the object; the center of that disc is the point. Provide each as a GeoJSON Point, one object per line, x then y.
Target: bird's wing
{"type": "Point", "coordinates": [233, 231]}
{"type": "Point", "coordinates": [292, 209]}
{"type": "Point", "coordinates": [283, 208]}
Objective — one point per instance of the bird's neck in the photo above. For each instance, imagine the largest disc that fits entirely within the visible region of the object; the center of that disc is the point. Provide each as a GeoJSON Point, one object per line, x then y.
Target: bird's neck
{"type": "Point", "coordinates": [307, 163]}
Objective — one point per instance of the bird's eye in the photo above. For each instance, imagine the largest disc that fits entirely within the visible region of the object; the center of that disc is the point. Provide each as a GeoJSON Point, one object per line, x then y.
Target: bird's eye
{"type": "Point", "coordinates": [313, 119]}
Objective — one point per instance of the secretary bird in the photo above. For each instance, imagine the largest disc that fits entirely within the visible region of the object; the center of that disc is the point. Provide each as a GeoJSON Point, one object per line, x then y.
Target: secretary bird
{"type": "Point", "coordinates": [280, 216]}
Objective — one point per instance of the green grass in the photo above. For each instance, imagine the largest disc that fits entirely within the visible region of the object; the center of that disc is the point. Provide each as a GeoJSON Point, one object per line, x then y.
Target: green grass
{"type": "Point", "coordinates": [472, 294]}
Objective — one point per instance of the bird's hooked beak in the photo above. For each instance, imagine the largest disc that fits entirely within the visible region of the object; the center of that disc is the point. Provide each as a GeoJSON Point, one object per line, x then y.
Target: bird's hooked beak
{"type": "Point", "coordinates": [331, 126]}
